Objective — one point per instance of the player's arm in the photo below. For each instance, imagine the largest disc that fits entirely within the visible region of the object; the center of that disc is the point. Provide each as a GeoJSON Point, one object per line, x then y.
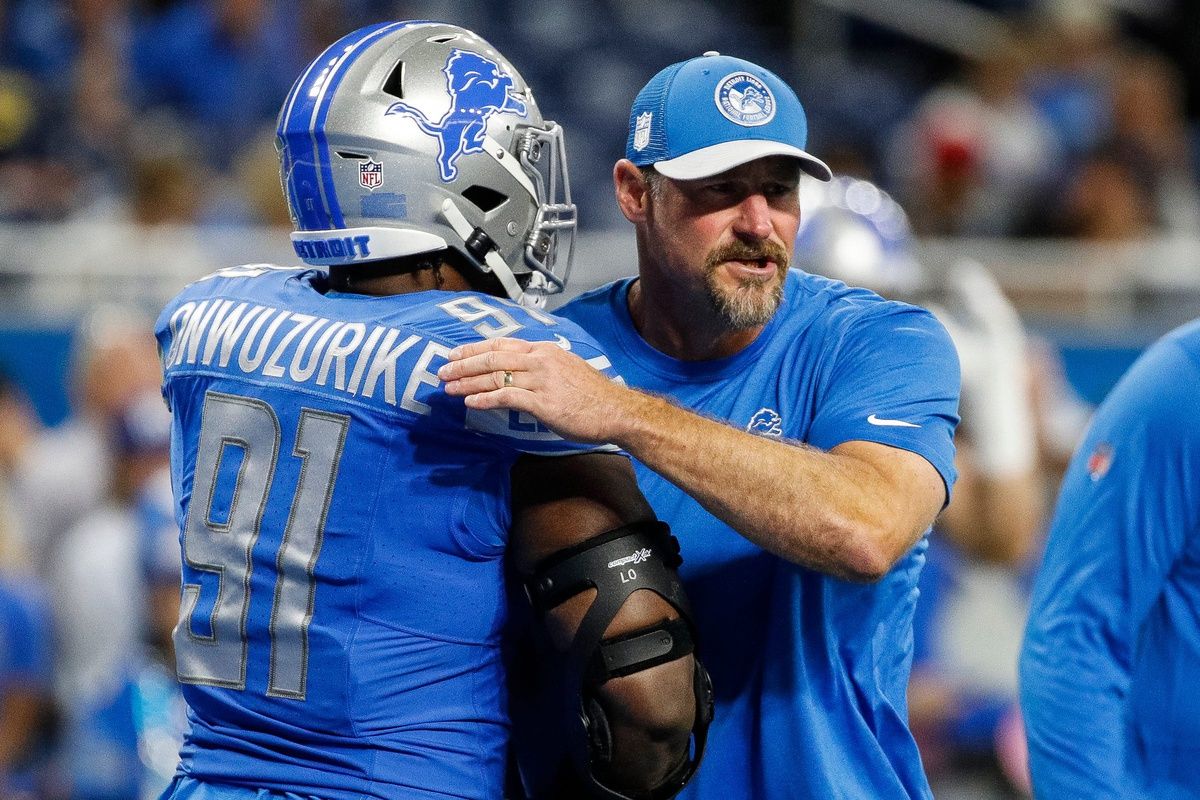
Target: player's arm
{"type": "Point", "coordinates": [997, 511]}
{"type": "Point", "coordinates": [563, 506]}
{"type": "Point", "coordinates": [850, 511]}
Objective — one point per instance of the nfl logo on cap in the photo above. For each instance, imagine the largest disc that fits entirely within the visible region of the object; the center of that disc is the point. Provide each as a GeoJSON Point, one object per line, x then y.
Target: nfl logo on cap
{"type": "Point", "coordinates": [370, 174]}
{"type": "Point", "coordinates": [641, 132]}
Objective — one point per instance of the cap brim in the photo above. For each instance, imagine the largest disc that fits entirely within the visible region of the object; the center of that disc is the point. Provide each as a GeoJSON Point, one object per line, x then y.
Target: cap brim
{"type": "Point", "coordinates": [709, 161]}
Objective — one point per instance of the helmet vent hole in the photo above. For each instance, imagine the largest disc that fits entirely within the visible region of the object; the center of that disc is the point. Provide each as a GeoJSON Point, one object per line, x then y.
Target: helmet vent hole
{"type": "Point", "coordinates": [483, 197]}
{"type": "Point", "coordinates": [443, 38]}
{"type": "Point", "coordinates": [394, 85]}
{"type": "Point", "coordinates": [354, 156]}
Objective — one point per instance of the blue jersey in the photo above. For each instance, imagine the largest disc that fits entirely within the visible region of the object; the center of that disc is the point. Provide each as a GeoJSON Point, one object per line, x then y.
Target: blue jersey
{"type": "Point", "coordinates": [25, 636]}
{"type": "Point", "coordinates": [1110, 670]}
{"type": "Point", "coordinates": [26, 664]}
{"type": "Point", "coordinates": [343, 525]}
{"type": "Point", "coordinates": [809, 671]}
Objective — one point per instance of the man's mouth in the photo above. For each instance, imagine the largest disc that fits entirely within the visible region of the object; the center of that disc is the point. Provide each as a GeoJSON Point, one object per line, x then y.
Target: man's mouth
{"type": "Point", "coordinates": [753, 268]}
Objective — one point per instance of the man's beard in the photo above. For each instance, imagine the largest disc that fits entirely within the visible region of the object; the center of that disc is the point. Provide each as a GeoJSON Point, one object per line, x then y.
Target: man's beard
{"type": "Point", "coordinates": [752, 302]}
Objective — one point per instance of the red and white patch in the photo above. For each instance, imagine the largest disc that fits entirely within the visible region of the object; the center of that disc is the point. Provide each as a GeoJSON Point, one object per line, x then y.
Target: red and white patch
{"type": "Point", "coordinates": [1100, 461]}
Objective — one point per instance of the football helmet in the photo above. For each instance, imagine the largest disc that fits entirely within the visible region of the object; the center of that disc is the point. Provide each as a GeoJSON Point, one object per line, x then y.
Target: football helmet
{"type": "Point", "coordinates": [854, 232]}
{"type": "Point", "coordinates": [411, 137]}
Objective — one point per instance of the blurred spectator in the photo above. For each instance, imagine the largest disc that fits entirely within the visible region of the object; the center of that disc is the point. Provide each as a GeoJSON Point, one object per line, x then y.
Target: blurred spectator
{"type": "Point", "coordinates": [25, 681]}
{"type": "Point", "coordinates": [26, 701]}
{"type": "Point", "coordinates": [222, 66]}
{"type": "Point", "coordinates": [66, 471]}
{"type": "Point", "coordinates": [116, 604]}
{"type": "Point", "coordinates": [1109, 197]}
{"type": "Point", "coordinates": [1071, 84]}
{"type": "Point", "coordinates": [1148, 117]}
{"type": "Point", "coordinates": [972, 156]}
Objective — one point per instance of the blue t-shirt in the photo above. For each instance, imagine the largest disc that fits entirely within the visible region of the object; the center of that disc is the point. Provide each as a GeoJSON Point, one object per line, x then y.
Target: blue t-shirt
{"type": "Point", "coordinates": [343, 591]}
{"type": "Point", "coordinates": [1110, 669]}
{"type": "Point", "coordinates": [809, 671]}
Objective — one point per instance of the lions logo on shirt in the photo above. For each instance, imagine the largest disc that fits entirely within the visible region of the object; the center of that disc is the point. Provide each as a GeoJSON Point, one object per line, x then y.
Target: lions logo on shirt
{"type": "Point", "coordinates": [478, 88]}
{"type": "Point", "coordinates": [745, 100]}
{"type": "Point", "coordinates": [766, 422]}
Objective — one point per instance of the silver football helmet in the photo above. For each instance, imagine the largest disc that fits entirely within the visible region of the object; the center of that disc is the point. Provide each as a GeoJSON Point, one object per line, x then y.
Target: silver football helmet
{"type": "Point", "coordinates": [411, 137]}
{"type": "Point", "coordinates": [854, 232]}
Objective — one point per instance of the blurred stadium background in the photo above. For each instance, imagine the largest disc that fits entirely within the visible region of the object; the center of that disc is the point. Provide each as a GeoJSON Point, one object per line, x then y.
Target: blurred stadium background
{"type": "Point", "coordinates": [1054, 141]}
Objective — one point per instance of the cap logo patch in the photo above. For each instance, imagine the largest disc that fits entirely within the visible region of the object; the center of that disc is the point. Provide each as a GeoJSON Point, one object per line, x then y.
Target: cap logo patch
{"type": "Point", "coordinates": [641, 131]}
{"type": "Point", "coordinates": [745, 100]}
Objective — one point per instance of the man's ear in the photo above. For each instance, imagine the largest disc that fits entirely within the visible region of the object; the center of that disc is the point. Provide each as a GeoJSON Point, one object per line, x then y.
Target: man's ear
{"type": "Point", "coordinates": [632, 190]}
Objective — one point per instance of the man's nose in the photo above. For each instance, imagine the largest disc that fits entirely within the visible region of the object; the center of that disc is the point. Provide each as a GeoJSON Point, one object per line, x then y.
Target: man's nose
{"type": "Point", "coordinates": [754, 217]}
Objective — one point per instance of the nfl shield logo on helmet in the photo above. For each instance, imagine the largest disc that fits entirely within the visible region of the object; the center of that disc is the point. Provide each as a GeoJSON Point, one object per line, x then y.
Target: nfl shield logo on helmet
{"type": "Point", "coordinates": [641, 131]}
{"type": "Point", "coordinates": [744, 99]}
{"type": "Point", "coordinates": [370, 174]}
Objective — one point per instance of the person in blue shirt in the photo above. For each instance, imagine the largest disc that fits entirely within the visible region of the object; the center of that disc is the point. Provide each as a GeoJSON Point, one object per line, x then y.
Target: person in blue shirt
{"type": "Point", "coordinates": [26, 667]}
{"type": "Point", "coordinates": [1112, 646]}
{"type": "Point", "coordinates": [345, 523]}
{"type": "Point", "coordinates": [796, 432]}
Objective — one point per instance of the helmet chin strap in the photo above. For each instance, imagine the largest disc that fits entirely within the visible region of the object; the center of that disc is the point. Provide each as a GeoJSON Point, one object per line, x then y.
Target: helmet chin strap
{"type": "Point", "coordinates": [493, 263]}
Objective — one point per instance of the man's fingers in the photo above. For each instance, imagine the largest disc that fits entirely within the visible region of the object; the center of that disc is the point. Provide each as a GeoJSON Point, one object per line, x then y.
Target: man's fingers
{"type": "Point", "coordinates": [487, 382]}
{"type": "Point", "coordinates": [511, 398]}
{"type": "Point", "coordinates": [503, 344]}
{"type": "Point", "coordinates": [469, 366]}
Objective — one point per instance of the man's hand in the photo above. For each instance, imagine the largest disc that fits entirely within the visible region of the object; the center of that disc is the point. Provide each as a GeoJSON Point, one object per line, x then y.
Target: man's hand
{"type": "Point", "coordinates": [559, 388]}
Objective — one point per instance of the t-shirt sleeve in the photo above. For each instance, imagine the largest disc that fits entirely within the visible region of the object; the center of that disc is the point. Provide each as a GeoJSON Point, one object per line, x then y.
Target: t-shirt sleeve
{"type": "Point", "coordinates": [893, 379]}
{"type": "Point", "coordinates": [1126, 512]}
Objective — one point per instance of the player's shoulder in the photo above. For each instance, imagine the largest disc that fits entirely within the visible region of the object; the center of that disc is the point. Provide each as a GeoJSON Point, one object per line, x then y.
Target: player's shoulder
{"type": "Point", "coordinates": [1158, 391]}
{"type": "Point", "coordinates": [248, 282]}
{"type": "Point", "coordinates": [464, 317]}
{"type": "Point", "coordinates": [1187, 339]}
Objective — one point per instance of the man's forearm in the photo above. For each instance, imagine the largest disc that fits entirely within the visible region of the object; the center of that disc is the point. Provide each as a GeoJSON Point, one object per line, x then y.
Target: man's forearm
{"type": "Point", "coordinates": [821, 509]}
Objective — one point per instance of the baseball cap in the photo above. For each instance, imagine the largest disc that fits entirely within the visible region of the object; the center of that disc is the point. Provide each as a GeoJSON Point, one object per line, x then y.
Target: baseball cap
{"type": "Point", "coordinates": [711, 113]}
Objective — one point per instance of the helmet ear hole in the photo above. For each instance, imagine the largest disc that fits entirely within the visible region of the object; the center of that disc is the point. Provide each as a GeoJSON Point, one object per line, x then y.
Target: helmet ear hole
{"type": "Point", "coordinates": [484, 198]}
{"type": "Point", "coordinates": [394, 85]}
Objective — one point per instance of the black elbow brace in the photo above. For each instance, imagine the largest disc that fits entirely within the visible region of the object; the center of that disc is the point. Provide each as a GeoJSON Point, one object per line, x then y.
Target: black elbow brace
{"type": "Point", "coordinates": [642, 555]}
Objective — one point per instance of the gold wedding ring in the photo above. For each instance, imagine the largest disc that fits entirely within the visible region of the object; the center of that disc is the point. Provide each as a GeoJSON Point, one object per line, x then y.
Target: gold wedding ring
{"type": "Point", "coordinates": [508, 381]}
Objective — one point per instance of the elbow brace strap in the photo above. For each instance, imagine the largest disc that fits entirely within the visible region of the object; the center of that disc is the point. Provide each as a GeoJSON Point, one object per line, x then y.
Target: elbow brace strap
{"type": "Point", "coordinates": [642, 555]}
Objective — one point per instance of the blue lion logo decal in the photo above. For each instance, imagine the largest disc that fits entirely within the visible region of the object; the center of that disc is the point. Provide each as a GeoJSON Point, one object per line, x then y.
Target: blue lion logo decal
{"type": "Point", "coordinates": [766, 422]}
{"type": "Point", "coordinates": [478, 88]}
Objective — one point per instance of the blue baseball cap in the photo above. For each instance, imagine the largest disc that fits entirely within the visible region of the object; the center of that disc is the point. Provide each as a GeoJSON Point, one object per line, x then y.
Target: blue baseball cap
{"type": "Point", "coordinates": [712, 113]}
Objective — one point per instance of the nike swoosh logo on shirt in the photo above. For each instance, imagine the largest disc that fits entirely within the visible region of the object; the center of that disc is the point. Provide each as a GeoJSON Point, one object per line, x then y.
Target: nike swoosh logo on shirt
{"type": "Point", "coordinates": [891, 423]}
